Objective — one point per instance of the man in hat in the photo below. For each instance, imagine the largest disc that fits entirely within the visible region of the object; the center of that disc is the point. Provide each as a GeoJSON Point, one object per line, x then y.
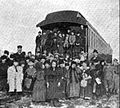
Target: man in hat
{"type": "Point", "coordinates": [54, 46]}
{"type": "Point", "coordinates": [96, 58]}
{"type": "Point", "coordinates": [38, 38]}
{"type": "Point", "coordinates": [97, 73]}
{"type": "Point", "coordinates": [19, 55]}
{"type": "Point", "coordinates": [44, 38]}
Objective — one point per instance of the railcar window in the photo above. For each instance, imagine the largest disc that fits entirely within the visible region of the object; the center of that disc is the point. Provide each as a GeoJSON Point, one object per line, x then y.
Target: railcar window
{"type": "Point", "coordinates": [92, 40]}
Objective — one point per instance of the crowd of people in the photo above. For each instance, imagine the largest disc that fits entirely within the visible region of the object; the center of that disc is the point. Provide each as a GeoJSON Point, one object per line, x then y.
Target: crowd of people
{"type": "Point", "coordinates": [51, 76]}
{"type": "Point", "coordinates": [61, 41]}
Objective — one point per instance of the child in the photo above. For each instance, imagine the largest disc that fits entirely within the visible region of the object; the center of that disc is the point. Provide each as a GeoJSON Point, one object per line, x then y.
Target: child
{"type": "Point", "coordinates": [39, 89]}
{"type": "Point", "coordinates": [86, 87]}
{"type": "Point", "coordinates": [30, 75]}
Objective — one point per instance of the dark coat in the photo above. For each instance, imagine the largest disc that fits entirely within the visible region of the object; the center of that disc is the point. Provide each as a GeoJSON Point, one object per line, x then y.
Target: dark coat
{"type": "Point", "coordinates": [39, 89]}
{"type": "Point", "coordinates": [3, 76]}
{"type": "Point", "coordinates": [53, 78]}
{"type": "Point", "coordinates": [38, 40]}
{"type": "Point", "coordinates": [19, 57]}
{"type": "Point", "coordinates": [3, 70]}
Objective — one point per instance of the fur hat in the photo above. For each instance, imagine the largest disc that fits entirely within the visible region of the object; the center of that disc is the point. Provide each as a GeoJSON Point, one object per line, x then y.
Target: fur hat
{"type": "Point", "coordinates": [3, 57]}
{"type": "Point", "coordinates": [6, 52]}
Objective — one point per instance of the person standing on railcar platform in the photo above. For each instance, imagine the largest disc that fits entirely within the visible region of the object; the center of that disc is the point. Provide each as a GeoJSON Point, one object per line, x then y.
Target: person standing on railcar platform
{"type": "Point", "coordinates": [38, 42]}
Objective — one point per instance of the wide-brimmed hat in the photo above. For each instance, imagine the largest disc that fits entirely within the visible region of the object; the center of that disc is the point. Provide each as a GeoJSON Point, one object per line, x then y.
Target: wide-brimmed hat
{"type": "Point", "coordinates": [95, 51]}
{"type": "Point", "coordinates": [31, 63]}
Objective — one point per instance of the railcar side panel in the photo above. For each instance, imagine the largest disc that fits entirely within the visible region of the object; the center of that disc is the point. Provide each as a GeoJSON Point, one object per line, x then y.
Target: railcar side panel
{"type": "Point", "coordinates": [95, 41]}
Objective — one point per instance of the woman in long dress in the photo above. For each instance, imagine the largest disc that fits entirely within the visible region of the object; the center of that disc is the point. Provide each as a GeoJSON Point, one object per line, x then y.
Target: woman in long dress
{"type": "Point", "coordinates": [39, 89]}
{"type": "Point", "coordinates": [74, 81]}
{"type": "Point", "coordinates": [53, 83]}
{"type": "Point", "coordinates": [67, 86]}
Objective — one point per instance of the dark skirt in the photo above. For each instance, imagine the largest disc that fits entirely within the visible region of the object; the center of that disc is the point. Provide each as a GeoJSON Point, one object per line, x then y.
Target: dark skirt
{"type": "Point", "coordinates": [3, 84]}
{"type": "Point", "coordinates": [29, 83]}
{"type": "Point", "coordinates": [55, 92]}
{"type": "Point", "coordinates": [39, 91]}
{"type": "Point", "coordinates": [100, 90]}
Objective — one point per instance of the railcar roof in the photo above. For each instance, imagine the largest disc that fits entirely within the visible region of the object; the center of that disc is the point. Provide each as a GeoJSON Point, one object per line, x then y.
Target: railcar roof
{"type": "Point", "coordinates": [66, 16]}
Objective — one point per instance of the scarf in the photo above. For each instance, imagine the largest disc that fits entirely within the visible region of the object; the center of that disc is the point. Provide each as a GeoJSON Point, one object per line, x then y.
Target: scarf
{"type": "Point", "coordinates": [16, 68]}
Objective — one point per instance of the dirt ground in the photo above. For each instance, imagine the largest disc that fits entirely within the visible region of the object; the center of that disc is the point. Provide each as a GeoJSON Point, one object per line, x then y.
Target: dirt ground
{"type": "Point", "coordinates": [25, 102]}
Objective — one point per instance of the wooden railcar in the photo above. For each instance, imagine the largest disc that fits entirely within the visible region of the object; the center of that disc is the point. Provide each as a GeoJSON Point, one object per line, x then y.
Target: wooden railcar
{"type": "Point", "coordinates": [75, 20]}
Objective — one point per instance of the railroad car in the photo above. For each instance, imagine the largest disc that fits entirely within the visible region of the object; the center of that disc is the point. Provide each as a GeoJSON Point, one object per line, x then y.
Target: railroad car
{"type": "Point", "coordinates": [74, 20]}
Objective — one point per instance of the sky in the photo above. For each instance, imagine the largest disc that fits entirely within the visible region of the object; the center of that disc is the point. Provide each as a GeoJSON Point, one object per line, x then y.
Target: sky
{"type": "Point", "coordinates": [18, 20]}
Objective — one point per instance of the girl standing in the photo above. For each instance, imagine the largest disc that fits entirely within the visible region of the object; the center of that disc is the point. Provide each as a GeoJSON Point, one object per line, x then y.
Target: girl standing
{"type": "Point", "coordinates": [30, 76]}
{"type": "Point", "coordinates": [39, 89]}
{"type": "Point", "coordinates": [86, 86]}
{"type": "Point", "coordinates": [74, 81]}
